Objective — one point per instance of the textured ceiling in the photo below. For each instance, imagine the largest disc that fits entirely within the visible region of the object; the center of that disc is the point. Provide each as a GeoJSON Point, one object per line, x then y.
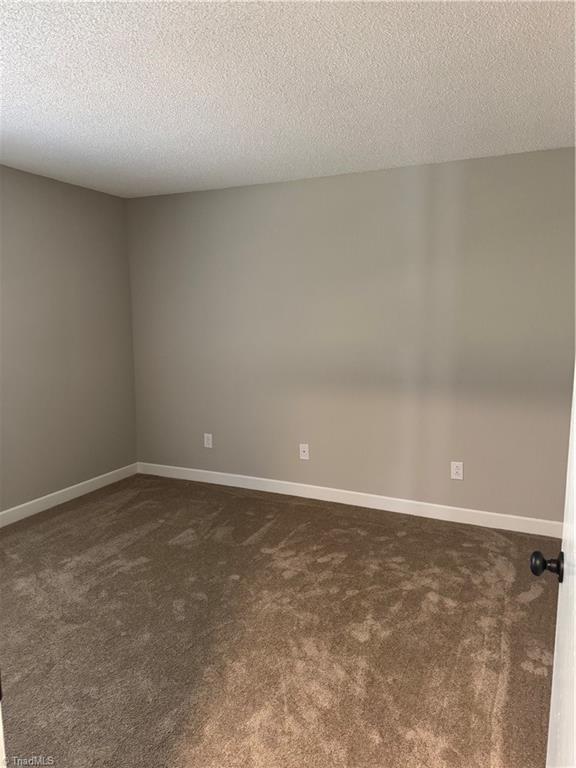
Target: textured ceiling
{"type": "Point", "coordinates": [151, 98]}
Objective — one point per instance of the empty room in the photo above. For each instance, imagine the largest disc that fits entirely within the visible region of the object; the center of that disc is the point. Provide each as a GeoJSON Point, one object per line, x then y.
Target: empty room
{"type": "Point", "coordinates": [286, 377]}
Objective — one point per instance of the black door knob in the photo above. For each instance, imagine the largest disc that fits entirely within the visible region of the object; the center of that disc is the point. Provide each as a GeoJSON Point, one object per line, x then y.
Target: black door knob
{"type": "Point", "coordinates": [539, 564]}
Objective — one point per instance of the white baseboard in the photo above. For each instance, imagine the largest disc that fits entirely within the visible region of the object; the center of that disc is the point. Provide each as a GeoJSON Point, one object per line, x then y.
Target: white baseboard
{"type": "Point", "coordinates": [358, 499]}
{"type": "Point", "coordinates": [536, 526]}
{"type": "Point", "coordinates": [14, 514]}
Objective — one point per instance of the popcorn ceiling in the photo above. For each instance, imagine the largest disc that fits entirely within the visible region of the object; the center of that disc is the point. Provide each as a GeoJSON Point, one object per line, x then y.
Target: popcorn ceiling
{"type": "Point", "coordinates": [141, 99]}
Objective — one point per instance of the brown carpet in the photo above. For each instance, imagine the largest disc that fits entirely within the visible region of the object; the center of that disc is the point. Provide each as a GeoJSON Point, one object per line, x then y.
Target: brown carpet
{"type": "Point", "coordinates": [167, 623]}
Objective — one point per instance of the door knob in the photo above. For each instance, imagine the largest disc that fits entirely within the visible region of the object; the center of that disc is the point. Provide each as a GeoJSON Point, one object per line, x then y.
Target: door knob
{"type": "Point", "coordinates": [539, 564]}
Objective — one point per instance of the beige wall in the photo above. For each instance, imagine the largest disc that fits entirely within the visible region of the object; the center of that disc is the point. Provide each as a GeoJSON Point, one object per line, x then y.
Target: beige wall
{"type": "Point", "coordinates": [394, 320]}
{"type": "Point", "coordinates": [66, 374]}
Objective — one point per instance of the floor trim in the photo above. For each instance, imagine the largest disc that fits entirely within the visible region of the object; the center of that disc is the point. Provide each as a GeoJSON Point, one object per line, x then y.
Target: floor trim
{"type": "Point", "coordinates": [535, 526]}
{"type": "Point", "coordinates": [14, 514]}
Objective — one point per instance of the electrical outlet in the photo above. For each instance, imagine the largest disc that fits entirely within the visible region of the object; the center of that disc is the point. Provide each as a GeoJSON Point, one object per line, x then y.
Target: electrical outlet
{"type": "Point", "coordinates": [304, 451]}
{"type": "Point", "coordinates": [207, 440]}
{"type": "Point", "coordinates": [456, 470]}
